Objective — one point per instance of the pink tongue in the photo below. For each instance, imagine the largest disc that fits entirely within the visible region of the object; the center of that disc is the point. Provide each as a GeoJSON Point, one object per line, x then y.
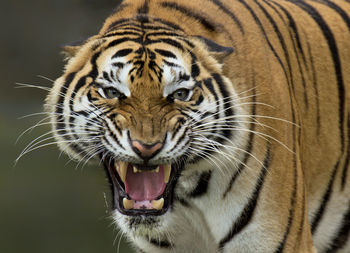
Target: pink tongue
{"type": "Point", "coordinates": [144, 185]}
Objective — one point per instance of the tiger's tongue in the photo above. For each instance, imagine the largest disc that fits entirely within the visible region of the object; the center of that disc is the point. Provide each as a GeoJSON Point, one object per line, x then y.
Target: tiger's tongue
{"type": "Point", "coordinates": [144, 185]}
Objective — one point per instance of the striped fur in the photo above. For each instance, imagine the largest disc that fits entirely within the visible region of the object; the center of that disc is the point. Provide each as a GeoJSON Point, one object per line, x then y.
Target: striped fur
{"type": "Point", "coordinates": [263, 141]}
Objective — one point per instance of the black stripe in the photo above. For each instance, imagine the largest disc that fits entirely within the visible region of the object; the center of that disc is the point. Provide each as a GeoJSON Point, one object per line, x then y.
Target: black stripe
{"type": "Point", "coordinates": [182, 137]}
{"type": "Point", "coordinates": [106, 76]}
{"type": "Point", "coordinates": [142, 18]}
{"type": "Point", "coordinates": [118, 65]}
{"type": "Point", "coordinates": [160, 243]}
{"type": "Point", "coordinates": [281, 40]}
{"type": "Point", "coordinates": [194, 67]}
{"type": "Point", "coordinates": [111, 34]}
{"type": "Point", "coordinates": [112, 118]}
{"type": "Point", "coordinates": [79, 84]}
{"type": "Point", "coordinates": [295, 45]}
{"type": "Point", "coordinates": [339, 10]}
{"type": "Point", "coordinates": [116, 23]}
{"type": "Point", "coordinates": [314, 81]}
{"type": "Point", "coordinates": [151, 54]}
{"type": "Point", "coordinates": [179, 123]}
{"type": "Point", "coordinates": [182, 201]}
{"type": "Point", "coordinates": [133, 29]}
{"type": "Point", "coordinates": [325, 200]}
{"type": "Point", "coordinates": [261, 27]}
{"type": "Point", "coordinates": [127, 23]}
{"type": "Point", "coordinates": [121, 40]}
{"type": "Point", "coordinates": [214, 47]}
{"type": "Point", "coordinates": [189, 43]}
{"type": "Point", "coordinates": [199, 101]}
{"type": "Point", "coordinates": [171, 42]}
{"type": "Point", "coordinates": [113, 136]}
{"type": "Point", "coordinates": [122, 53]}
{"type": "Point", "coordinates": [248, 210]}
{"type": "Point", "coordinates": [228, 111]}
{"type": "Point", "coordinates": [162, 33]}
{"type": "Point", "coordinates": [339, 241]}
{"type": "Point", "coordinates": [106, 141]}
{"type": "Point", "coordinates": [166, 53]}
{"type": "Point", "coordinates": [327, 32]}
{"type": "Point", "coordinates": [238, 171]}
{"type": "Point", "coordinates": [90, 98]}
{"type": "Point", "coordinates": [169, 24]}
{"type": "Point", "coordinates": [248, 152]}
{"type": "Point", "coordinates": [189, 12]}
{"type": "Point", "coordinates": [144, 9]}
{"type": "Point", "coordinates": [82, 81]}
{"type": "Point", "coordinates": [282, 244]}
{"type": "Point", "coordinates": [152, 27]}
{"type": "Point", "coordinates": [230, 13]}
{"type": "Point", "coordinates": [202, 185]}
{"type": "Point", "coordinates": [294, 27]}
{"type": "Point", "coordinates": [85, 113]}
{"type": "Point", "coordinates": [209, 85]}
{"type": "Point", "coordinates": [60, 103]}
{"type": "Point", "coordinates": [184, 77]}
{"type": "Point", "coordinates": [87, 127]}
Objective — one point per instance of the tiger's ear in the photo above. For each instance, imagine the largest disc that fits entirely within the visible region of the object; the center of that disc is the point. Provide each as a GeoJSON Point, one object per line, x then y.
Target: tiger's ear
{"type": "Point", "coordinates": [218, 51]}
{"type": "Point", "coordinates": [71, 50]}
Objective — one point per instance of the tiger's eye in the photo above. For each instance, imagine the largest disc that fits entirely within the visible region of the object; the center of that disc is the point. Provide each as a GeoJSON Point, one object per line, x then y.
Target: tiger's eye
{"type": "Point", "coordinates": [112, 93]}
{"type": "Point", "coordinates": [181, 94]}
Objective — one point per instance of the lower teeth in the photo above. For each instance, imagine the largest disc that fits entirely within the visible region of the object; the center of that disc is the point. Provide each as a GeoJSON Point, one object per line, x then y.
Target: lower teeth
{"type": "Point", "coordinates": [158, 204]}
{"type": "Point", "coordinates": [155, 204]}
{"type": "Point", "coordinates": [128, 204]}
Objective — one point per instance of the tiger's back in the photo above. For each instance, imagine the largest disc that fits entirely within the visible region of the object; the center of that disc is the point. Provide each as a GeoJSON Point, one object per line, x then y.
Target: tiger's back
{"type": "Point", "coordinates": [283, 183]}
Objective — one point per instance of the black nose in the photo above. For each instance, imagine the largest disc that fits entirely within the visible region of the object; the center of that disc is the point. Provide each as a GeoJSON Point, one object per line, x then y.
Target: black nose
{"type": "Point", "coordinates": [146, 151]}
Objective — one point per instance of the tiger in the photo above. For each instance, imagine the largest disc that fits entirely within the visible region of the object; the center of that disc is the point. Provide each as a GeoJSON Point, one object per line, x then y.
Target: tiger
{"type": "Point", "coordinates": [222, 125]}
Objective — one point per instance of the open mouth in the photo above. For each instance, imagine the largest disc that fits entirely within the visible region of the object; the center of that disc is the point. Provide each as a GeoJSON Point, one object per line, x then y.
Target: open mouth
{"type": "Point", "coordinates": [141, 189]}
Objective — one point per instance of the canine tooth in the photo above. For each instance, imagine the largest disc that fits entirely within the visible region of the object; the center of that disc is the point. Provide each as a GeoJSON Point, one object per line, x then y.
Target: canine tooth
{"type": "Point", "coordinates": [167, 171]}
{"type": "Point", "coordinates": [123, 168]}
{"type": "Point", "coordinates": [128, 203]}
{"type": "Point", "coordinates": [156, 170]}
{"type": "Point", "coordinates": [135, 169]}
{"type": "Point", "coordinates": [158, 204]}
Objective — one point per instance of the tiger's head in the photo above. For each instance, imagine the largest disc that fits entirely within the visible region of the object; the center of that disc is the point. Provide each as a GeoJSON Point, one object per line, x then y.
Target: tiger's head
{"type": "Point", "coordinates": [149, 102]}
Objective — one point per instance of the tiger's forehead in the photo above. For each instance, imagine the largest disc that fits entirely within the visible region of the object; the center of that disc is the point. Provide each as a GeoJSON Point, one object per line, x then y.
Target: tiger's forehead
{"type": "Point", "coordinates": [132, 65]}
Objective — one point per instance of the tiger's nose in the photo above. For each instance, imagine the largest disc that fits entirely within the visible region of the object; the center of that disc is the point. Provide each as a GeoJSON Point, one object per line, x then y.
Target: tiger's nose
{"type": "Point", "coordinates": [146, 151]}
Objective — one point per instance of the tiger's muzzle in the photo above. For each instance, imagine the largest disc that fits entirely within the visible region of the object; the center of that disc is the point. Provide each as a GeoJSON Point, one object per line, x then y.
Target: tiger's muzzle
{"type": "Point", "coordinates": [141, 189]}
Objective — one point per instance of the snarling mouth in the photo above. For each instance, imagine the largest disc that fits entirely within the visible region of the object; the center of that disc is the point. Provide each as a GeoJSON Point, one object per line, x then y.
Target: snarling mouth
{"type": "Point", "coordinates": [141, 189]}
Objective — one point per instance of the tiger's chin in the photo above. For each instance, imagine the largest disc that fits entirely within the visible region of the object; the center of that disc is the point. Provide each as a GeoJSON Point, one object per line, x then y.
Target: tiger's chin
{"type": "Point", "coordinates": [141, 190]}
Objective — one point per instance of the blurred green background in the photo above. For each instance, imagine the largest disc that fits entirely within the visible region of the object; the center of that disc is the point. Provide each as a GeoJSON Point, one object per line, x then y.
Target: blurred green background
{"type": "Point", "coordinates": [46, 204]}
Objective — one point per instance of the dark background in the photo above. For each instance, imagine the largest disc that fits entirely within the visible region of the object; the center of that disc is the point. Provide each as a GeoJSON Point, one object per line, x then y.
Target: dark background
{"type": "Point", "coordinates": [46, 204]}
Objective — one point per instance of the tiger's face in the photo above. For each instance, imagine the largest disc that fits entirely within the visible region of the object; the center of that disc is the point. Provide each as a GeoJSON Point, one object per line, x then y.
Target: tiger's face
{"type": "Point", "coordinates": [150, 112]}
{"type": "Point", "coordinates": [148, 94]}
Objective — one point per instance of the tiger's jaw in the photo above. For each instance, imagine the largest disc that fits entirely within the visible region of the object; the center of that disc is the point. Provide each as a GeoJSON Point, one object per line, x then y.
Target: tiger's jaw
{"type": "Point", "coordinates": [141, 190]}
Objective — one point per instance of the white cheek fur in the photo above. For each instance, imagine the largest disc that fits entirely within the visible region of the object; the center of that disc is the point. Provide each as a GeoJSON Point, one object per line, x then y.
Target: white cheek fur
{"type": "Point", "coordinates": [121, 83]}
{"type": "Point", "coordinates": [123, 76]}
{"type": "Point", "coordinates": [172, 81]}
